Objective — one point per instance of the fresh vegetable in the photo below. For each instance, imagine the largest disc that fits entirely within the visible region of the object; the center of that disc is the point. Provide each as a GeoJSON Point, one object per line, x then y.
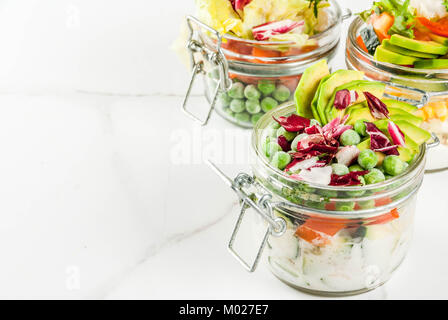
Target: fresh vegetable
{"type": "Point", "coordinates": [236, 91]}
{"type": "Point", "coordinates": [394, 166]}
{"type": "Point", "coordinates": [382, 24]}
{"type": "Point", "coordinates": [268, 104]}
{"type": "Point", "coordinates": [350, 138]}
{"type": "Point", "coordinates": [251, 92]}
{"type": "Point", "coordinates": [266, 20]}
{"type": "Point", "coordinates": [367, 159]}
{"type": "Point", "coordinates": [440, 28]}
{"type": "Point", "coordinates": [237, 105]}
{"type": "Point", "coordinates": [390, 17]}
{"type": "Point", "coordinates": [268, 30]}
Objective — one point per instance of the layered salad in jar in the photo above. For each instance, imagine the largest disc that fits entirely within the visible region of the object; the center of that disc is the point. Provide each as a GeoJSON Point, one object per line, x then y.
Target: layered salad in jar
{"type": "Point", "coordinates": [262, 32]}
{"type": "Point", "coordinates": [343, 144]}
{"type": "Point", "coordinates": [414, 34]}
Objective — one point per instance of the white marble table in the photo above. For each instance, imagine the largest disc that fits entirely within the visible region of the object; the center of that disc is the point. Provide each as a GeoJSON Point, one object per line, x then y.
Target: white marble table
{"type": "Point", "coordinates": [96, 201]}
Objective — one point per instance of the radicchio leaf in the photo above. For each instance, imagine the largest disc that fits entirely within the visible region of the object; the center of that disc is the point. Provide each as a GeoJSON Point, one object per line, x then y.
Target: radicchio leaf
{"type": "Point", "coordinates": [293, 123]}
{"type": "Point", "coordinates": [267, 30]}
{"type": "Point", "coordinates": [239, 4]}
{"type": "Point", "coordinates": [297, 165]}
{"type": "Point", "coordinates": [379, 142]}
{"type": "Point", "coordinates": [396, 134]}
{"type": "Point", "coordinates": [350, 179]}
{"type": "Point", "coordinates": [314, 130]}
{"type": "Point", "coordinates": [378, 108]}
{"type": "Point", "coordinates": [347, 155]}
{"type": "Point", "coordinates": [345, 98]}
{"type": "Point", "coordinates": [284, 143]}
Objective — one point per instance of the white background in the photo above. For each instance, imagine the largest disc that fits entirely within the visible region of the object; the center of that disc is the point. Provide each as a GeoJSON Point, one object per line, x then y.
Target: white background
{"type": "Point", "coordinates": [93, 204]}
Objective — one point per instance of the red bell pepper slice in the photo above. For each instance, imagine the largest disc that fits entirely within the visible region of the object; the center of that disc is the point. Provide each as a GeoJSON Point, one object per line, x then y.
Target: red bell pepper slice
{"type": "Point", "coordinates": [440, 27]}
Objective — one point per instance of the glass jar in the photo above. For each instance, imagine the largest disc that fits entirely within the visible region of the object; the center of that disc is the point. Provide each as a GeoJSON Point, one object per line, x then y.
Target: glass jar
{"type": "Point", "coordinates": [322, 239]}
{"type": "Point", "coordinates": [426, 88]}
{"type": "Point", "coordinates": [232, 65]}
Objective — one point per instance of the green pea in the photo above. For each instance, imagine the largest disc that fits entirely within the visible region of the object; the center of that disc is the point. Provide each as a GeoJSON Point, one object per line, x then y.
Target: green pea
{"type": "Point", "coordinates": [339, 169]}
{"type": "Point", "coordinates": [268, 103]}
{"type": "Point", "coordinates": [224, 99]}
{"type": "Point", "coordinates": [251, 92]}
{"type": "Point", "coordinates": [367, 159]}
{"type": "Point", "coordinates": [266, 87]}
{"type": "Point", "coordinates": [356, 167]}
{"type": "Point", "coordinates": [345, 206]}
{"type": "Point", "coordinates": [270, 148]}
{"type": "Point", "coordinates": [281, 93]}
{"type": "Point", "coordinates": [253, 106]}
{"type": "Point", "coordinates": [374, 176]}
{"type": "Point", "coordinates": [236, 91]}
{"type": "Point", "coordinates": [281, 160]}
{"type": "Point", "coordinates": [360, 127]}
{"type": "Point", "coordinates": [237, 105]}
{"type": "Point", "coordinates": [229, 112]}
{"type": "Point", "coordinates": [393, 165]}
{"type": "Point", "coordinates": [296, 141]}
{"type": "Point", "coordinates": [288, 135]}
{"type": "Point", "coordinates": [243, 117]}
{"type": "Point", "coordinates": [350, 138]}
{"type": "Point", "coordinates": [254, 119]}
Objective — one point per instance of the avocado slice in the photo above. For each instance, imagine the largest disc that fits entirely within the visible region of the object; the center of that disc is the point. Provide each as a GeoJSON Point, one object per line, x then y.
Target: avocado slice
{"type": "Point", "coordinates": [439, 39]}
{"type": "Point", "coordinates": [364, 145]}
{"type": "Point", "coordinates": [335, 80]}
{"type": "Point", "coordinates": [395, 115]}
{"type": "Point", "coordinates": [432, 64]}
{"type": "Point", "coordinates": [384, 55]}
{"type": "Point", "coordinates": [418, 45]}
{"type": "Point", "coordinates": [391, 103]}
{"type": "Point", "coordinates": [406, 52]}
{"type": "Point", "coordinates": [417, 134]}
{"type": "Point", "coordinates": [360, 86]}
{"type": "Point", "coordinates": [356, 107]}
{"type": "Point", "coordinates": [316, 96]}
{"type": "Point", "coordinates": [406, 154]}
{"type": "Point", "coordinates": [308, 86]}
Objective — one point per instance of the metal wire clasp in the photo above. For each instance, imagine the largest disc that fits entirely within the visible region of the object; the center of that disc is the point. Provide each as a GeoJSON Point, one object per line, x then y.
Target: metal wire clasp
{"type": "Point", "coordinates": [215, 57]}
{"type": "Point", "coordinates": [263, 207]}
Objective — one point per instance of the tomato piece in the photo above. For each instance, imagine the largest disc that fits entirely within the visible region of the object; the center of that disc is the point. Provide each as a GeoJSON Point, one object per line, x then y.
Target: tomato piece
{"type": "Point", "coordinates": [440, 27]}
{"type": "Point", "coordinates": [421, 35]}
{"type": "Point", "coordinates": [382, 24]}
{"type": "Point", "coordinates": [362, 44]}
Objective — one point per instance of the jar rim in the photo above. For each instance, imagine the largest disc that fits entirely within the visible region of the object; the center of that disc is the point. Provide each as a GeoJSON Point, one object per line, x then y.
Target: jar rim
{"type": "Point", "coordinates": [288, 108]}
{"type": "Point", "coordinates": [355, 25]}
